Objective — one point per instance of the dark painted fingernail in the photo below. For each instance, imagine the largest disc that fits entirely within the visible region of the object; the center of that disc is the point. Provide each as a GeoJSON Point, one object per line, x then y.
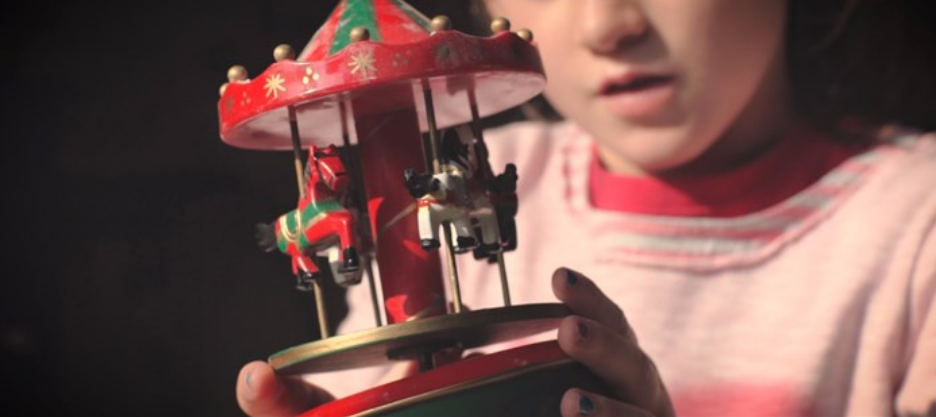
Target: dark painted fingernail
{"type": "Point", "coordinates": [582, 330]}
{"type": "Point", "coordinates": [586, 405]}
{"type": "Point", "coordinates": [571, 277]}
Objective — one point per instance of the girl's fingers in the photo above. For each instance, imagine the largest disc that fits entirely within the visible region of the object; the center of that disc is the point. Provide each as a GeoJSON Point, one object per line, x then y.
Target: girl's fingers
{"type": "Point", "coordinates": [260, 392]}
{"type": "Point", "coordinates": [578, 403]}
{"type": "Point", "coordinates": [585, 299]}
{"type": "Point", "coordinates": [617, 360]}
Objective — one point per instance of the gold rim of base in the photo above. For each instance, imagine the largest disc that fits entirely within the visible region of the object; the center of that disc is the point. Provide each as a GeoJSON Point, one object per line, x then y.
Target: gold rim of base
{"type": "Point", "coordinates": [374, 346]}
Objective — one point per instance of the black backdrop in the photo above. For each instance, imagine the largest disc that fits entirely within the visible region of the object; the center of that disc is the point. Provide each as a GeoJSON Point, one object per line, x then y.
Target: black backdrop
{"type": "Point", "coordinates": [132, 284]}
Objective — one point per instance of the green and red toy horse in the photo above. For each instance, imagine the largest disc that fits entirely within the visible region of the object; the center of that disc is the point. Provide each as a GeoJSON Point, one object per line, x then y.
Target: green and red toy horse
{"type": "Point", "coordinates": [321, 227]}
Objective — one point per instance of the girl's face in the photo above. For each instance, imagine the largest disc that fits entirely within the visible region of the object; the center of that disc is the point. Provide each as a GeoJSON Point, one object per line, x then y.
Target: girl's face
{"type": "Point", "coordinates": [663, 85]}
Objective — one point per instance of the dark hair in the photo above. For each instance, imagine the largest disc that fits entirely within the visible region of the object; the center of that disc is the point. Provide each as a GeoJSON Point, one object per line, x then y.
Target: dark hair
{"type": "Point", "coordinates": [870, 60]}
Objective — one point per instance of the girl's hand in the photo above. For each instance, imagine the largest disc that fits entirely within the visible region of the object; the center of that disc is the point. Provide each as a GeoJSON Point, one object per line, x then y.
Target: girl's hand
{"type": "Point", "coordinates": [260, 392]}
{"type": "Point", "coordinates": [599, 337]}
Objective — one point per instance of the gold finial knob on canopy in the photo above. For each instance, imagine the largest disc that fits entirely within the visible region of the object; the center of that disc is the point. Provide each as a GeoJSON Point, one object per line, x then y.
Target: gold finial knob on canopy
{"type": "Point", "coordinates": [237, 73]}
{"type": "Point", "coordinates": [282, 52]}
{"type": "Point", "coordinates": [501, 24]}
{"type": "Point", "coordinates": [440, 24]}
{"type": "Point", "coordinates": [525, 34]}
{"type": "Point", "coordinates": [360, 33]}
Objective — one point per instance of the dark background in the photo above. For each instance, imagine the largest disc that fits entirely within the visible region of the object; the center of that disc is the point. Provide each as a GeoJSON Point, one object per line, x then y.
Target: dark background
{"type": "Point", "coordinates": [133, 285]}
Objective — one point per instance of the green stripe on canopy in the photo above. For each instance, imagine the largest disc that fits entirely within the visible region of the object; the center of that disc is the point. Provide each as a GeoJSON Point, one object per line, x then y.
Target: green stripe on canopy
{"type": "Point", "coordinates": [356, 13]}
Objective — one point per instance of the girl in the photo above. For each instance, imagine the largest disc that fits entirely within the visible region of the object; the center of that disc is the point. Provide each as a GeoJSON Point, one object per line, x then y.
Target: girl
{"type": "Point", "coordinates": [771, 259]}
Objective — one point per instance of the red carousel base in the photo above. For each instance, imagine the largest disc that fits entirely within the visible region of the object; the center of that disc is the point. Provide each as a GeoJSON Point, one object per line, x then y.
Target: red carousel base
{"type": "Point", "coordinates": [525, 381]}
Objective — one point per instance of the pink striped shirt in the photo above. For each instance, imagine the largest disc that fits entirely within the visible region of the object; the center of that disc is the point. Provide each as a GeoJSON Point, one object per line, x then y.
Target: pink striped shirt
{"type": "Point", "coordinates": [819, 304]}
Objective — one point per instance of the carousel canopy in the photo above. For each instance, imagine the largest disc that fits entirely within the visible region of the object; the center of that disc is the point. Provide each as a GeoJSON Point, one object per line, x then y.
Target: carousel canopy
{"type": "Point", "coordinates": [372, 57]}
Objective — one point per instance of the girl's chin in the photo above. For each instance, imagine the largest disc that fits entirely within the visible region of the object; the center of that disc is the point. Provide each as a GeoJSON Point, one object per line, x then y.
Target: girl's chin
{"type": "Point", "coordinates": [647, 156]}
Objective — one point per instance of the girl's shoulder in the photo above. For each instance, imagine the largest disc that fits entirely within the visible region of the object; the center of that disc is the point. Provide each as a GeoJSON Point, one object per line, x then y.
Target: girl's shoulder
{"type": "Point", "coordinates": [909, 138]}
{"type": "Point", "coordinates": [901, 180]}
{"type": "Point", "coordinates": [910, 154]}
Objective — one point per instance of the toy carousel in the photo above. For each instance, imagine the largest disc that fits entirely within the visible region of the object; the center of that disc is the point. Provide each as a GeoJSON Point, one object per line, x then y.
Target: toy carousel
{"type": "Point", "coordinates": [381, 110]}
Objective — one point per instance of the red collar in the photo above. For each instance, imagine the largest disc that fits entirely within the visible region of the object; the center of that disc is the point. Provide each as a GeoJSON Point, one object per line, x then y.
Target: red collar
{"type": "Point", "coordinates": [791, 166]}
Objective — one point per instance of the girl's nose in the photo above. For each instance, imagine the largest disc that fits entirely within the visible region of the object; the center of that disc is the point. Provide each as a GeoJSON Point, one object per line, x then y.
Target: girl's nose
{"type": "Point", "coordinates": [607, 26]}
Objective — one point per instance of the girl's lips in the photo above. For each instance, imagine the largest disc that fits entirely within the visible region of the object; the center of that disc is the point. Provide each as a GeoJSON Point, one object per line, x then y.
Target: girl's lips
{"type": "Point", "coordinates": [639, 96]}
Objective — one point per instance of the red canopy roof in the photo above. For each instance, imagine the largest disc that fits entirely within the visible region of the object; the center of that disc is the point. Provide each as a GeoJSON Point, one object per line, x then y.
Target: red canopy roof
{"type": "Point", "coordinates": [501, 71]}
